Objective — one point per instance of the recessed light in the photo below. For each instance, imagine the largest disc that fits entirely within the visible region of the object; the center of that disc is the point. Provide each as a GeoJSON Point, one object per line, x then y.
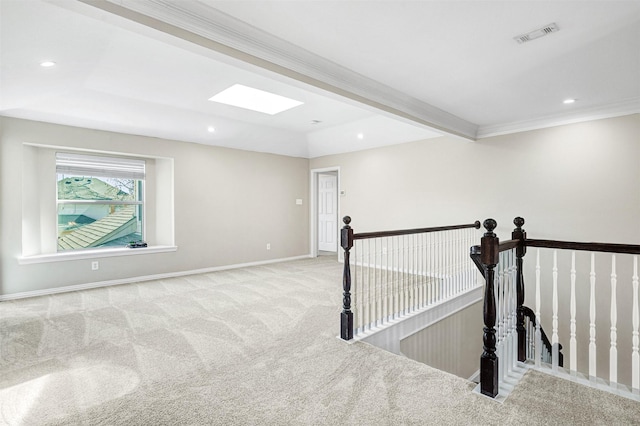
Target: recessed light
{"type": "Point", "coordinates": [211, 129]}
{"type": "Point", "coordinates": [254, 99]}
{"type": "Point", "coordinates": [568, 101]}
{"type": "Point", "coordinates": [47, 64]}
{"type": "Point", "coordinates": [360, 136]}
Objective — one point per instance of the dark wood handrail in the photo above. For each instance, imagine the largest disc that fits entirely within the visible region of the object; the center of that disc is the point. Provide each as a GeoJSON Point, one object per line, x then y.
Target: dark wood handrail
{"type": "Point", "coordinates": [528, 312]}
{"type": "Point", "coordinates": [508, 245]}
{"type": "Point", "coordinates": [571, 245]}
{"type": "Point", "coordinates": [476, 251]}
{"type": "Point", "coordinates": [366, 235]}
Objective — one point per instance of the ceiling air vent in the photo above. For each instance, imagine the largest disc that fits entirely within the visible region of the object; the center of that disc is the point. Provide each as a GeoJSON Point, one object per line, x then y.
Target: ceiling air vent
{"type": "Point", "coordinates": [547, 29]}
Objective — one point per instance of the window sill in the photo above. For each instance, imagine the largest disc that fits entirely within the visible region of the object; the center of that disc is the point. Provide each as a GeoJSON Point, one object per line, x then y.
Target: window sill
{"type": "Point", "coordinates": [93, 254]}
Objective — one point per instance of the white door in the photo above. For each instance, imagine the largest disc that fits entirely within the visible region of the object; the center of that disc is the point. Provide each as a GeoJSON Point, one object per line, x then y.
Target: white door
{"type": "Point", "coordinates": [327, 213]}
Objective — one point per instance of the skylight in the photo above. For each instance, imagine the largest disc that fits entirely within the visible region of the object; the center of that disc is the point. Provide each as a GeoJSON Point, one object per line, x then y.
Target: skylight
{"type": "Point", "coordinates": [254, 99]}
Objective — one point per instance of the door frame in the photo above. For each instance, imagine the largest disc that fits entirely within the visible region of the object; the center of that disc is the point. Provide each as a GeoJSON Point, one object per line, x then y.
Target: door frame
{"type": "Point", "coordinates": [313, 208]}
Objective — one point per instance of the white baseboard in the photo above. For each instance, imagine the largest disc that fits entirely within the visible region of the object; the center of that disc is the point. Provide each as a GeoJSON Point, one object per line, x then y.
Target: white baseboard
{"type": "Point", "coordinates": [77, 287]}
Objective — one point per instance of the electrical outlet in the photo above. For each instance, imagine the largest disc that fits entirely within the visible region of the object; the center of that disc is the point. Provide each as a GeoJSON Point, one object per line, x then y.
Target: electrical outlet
{"type": "Point", "coordinates": [268, 246]}
{"type": "Point", "coordinates": [95, 266]}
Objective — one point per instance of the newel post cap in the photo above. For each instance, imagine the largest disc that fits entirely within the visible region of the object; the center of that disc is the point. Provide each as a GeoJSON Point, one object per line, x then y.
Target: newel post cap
{"type": "Point", "coordinates": [518, 222]}
{"type": "Point", "coordinates": [490, 225]}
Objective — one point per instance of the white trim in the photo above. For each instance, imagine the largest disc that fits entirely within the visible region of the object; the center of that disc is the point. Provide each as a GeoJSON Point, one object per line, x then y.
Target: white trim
{"type": "Point", "coordinates": [626, 107]}
{"type": "Point", "coordinates": [98, 151]}
{"type": "Point", "coordinates": [92, 254]}
{"type": "Point", "coordinates": [313, 209]}
{"type": "Point", "coordinates": [78, 287]}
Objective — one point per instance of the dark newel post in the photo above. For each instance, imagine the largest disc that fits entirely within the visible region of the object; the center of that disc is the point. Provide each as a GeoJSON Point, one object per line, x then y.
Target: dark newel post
{"type": "Point", "coordinates": [521, 235]}
{"type": "Point", "coordinates": [346, 317]}
{"type": "Point", "coordinates": [489, 360]}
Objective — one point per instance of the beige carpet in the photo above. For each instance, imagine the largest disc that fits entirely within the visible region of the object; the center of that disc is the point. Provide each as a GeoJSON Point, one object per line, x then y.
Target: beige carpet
{"type": "Point", "coordinates": [255, 346]}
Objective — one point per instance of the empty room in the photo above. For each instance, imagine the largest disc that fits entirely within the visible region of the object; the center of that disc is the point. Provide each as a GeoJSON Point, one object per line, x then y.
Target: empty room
{"type": "Point", "coordinates": [319, 212]}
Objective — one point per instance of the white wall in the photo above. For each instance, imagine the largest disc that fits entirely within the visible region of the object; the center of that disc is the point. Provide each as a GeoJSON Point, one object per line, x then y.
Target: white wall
{"type": "Point", "coordinates": [228, 205]}
{"type": "Point", "coordinates": [576, 182]}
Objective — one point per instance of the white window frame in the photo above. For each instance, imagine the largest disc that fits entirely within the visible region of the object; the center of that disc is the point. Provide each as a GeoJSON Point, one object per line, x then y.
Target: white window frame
{"type": "Point", "coordinates": [39, 211]}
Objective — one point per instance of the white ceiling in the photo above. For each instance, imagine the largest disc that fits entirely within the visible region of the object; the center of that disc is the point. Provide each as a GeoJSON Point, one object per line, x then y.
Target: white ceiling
{"type": "Point", "coordinates": [395, 71]}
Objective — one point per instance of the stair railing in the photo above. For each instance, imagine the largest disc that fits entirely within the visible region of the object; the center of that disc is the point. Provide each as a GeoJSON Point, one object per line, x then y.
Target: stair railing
{"type": "Point", "coordinates": [530, 322]}
{"type": "Point", "coordinates": [389, 275]}
{"type": "Point", "coordinates": [508, 323]}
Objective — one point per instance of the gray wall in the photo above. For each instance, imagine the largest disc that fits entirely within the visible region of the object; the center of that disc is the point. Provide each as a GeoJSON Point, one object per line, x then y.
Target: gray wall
{"type": "Point", "coordinates": [228, 205]}
{"type": "Point", "coordinates": [453, 345]}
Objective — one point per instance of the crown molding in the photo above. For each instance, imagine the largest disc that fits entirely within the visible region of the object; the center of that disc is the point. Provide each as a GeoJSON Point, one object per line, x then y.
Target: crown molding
{"type": "Point", "coordinates": [618, 109]}
{"type": "Point", "coordinates": [200, 23]}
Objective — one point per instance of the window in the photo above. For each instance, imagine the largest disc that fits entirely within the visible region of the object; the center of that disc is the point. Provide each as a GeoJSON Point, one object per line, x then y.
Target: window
{"type": "Point", "coordinates": [100, 201]}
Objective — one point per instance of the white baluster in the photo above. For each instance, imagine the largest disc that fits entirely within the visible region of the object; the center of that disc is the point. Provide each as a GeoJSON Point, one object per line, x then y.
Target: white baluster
{"type": "Point", "coordinates": [504, 297]}
{"type": "Point", "coordinates": [455, 244]}
{"type": "Point", "coordinates": [443, 269]}
{"type": "Point", "coordinates": [412, 272]}
{"type": "Point", "coordinates": [409, 274]}
{"type": "Point", "coordinates": [366, 282]}
{"type": "Point", "coordinates": [438, 254]}
{"type": "Point", "coordinates": [423, 270]}
{"type": "Point", "coordinates": [531, 327]}
{"type": "Point", "coordinates": [468, 272]}
{"type": "Point", "coordinates": [554, 325]}
{"type": "Point", "coordinates": [390, 267]}
{"type": "Point", "coordinates": [514, 314]}
{"type": "Point", "coordinates": [363, 285]}
{"type": "Point", "coordinates": [613, 351]}
{"type": "Point", "coordinates": [383, 283]}
{"type": "Point", "coordinates": [376, 290]}
{"type": "Point", "coordinates": [504, 279]}
{"type": "Point", "coordinates": [635, 356]}
{"type": "Point", "coordinates": [428, 269]}
{"type": "Point", "coordinates": [373, 283]}
{"type": "Point", "coordinates": [592, 320]}
{"type": "Point", "coordinates": [354, 288]}
{"type": "Point", "coordinates": [379, 283]}
{"type": "Point", "coordinates": [419, 271]}
{"type": "Point", "coordinates": [432, 269]}
{"type": "Point", "coordinates": [573, 351]}
{"type": "Point", "coordinates": [538, 334]}
{"type": "Point", "coordinates": [501, 317]}
{"type": "Point", "coordinates": [395, 276]}
{"type": "Point", "coordinates": [400, 268]}
{"type": "Point", "coordinates": [388, 281]}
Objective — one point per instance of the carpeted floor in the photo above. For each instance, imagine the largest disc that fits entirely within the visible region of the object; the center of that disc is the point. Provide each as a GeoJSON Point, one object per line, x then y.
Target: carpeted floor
{"type": "Point", "coordinates": [254, 346]}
